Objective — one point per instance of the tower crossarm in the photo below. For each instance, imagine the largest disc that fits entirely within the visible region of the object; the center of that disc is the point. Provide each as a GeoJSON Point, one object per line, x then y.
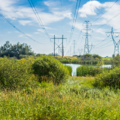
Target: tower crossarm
{"type": "Point", "coordinates": [112, 35]}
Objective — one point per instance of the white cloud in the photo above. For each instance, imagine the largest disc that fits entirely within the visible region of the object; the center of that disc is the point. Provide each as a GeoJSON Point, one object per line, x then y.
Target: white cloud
{"type": "Point", "coordinates": [24, 22]}
{"type": "Point", "coordinates": [36, 33]}
{"type": "Point", "coordinates": [89, 8]}
{"type": "Point", "coordinates": [50, 3]}
{"type": "Point", "coordinates": [99, 38]}
{"type": "Point", "coordinates": [78, 25]}
{"type": "Point", "coordinates": [21, 13]}
{"type": "Point", "coordinates": [41, 30]}
{"type": "Point", "coordinates": [21, 35]}
{"type": "Point", "coordinates": [101, 31]}
{"type": "Point", "coordinates": [108, 17]}
{"type": "Point", "coordinates": [111, 16]}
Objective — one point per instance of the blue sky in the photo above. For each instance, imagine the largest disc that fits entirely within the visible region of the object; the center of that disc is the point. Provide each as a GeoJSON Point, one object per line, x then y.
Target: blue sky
{"type": "Point", "coordinates": [57, 17]}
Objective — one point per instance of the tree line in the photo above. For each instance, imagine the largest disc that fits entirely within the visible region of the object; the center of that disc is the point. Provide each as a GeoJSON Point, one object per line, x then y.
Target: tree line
{"type": "Point", "coordinates": [15, 50]}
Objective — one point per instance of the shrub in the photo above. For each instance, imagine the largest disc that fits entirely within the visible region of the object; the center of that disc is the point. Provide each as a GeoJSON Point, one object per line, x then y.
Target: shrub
{"type": "Point", "coordinates": [116, 61]}
{"type": "Point", "coordinates": [69, 69]}
{"type": "Point", "coordinates": [16, 73]}
{"type": "Point", "coordinates": [86, 70]}
{"type": "Point", "coordinates": [74, 61]}
{"type": "Point", "coordinates": [108, 78]}
{"type": "Point", "coordinates": [50, 67]}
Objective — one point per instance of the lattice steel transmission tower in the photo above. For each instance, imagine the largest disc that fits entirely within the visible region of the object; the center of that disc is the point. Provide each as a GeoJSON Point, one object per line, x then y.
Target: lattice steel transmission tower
{"type": "Point", "coordinates": [59, 46]}
{"type": "Point", "coordinates": [116, 44]}
{"type": "Point", "coordinates": [74, 44]}
{"type": "Point", "coordinates": [87, 47]}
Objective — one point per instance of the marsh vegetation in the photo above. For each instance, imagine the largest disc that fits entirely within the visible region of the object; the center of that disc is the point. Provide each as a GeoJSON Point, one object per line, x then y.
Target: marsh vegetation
{"type": "Point", "coordinates": [41, 88]}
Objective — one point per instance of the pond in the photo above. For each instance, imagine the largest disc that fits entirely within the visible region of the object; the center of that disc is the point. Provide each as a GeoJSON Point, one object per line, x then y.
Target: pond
{"type": "Point", "coordinates": [74, 67]}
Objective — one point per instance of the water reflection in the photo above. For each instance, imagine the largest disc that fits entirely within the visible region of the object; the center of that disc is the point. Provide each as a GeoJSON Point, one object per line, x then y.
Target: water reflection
{"type": "Point", "coordinates": [74, 67]}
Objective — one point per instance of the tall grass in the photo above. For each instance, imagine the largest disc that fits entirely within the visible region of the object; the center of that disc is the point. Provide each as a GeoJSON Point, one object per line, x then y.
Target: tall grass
{"type": "Point", "coordinates": [23, 73]}
{"type": "Point", "coordinates": [109, 78]}
{"type": "Point", "coordinates": [75, 99]}
{"type": "Point", "coordinates": [16, 73]}
{"type": "Point", "coordinates": [88, 70]}
{"type": "Point", "coordinates": [69, 69]}
{"type": "Point", "coordinates": [63, 102]}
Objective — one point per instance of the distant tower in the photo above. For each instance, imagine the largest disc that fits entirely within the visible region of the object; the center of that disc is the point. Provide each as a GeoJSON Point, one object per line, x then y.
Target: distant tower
{"type": "Point", "coordinates": [74, 47]}
{"type": "Point", "coordinates": [87, 47]}
{"type": "Point", "coordinates": [116, 44]}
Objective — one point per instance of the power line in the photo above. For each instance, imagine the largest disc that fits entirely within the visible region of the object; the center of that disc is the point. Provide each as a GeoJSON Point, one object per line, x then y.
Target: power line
{"type": "Point", "coordinates": [101, 41]}
{"type": "Point", "coordinates": [38, 17]}
{"type": "Point", "coordinates": [75, 18]}
{"type": "Point", "coordinates": [108, 21]}
{"type": "Point", "coordinates": [61, 10]}
{"type": "Point", "coordinates": [101, 46]}
{"type": "Point", "coordinates": [105, 46]}
{"type": "Point", "coordinates": [19, 29]}
{"type": "Point", "coordinates": [106, 11]}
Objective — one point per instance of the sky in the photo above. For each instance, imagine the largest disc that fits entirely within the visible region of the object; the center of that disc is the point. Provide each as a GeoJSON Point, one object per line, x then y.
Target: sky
{"type": "Point", "coordinates": [57, 17]}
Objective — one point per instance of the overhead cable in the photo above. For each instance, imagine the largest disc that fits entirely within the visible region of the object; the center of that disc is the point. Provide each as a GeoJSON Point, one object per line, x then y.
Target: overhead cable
{"type": "Point", "coordinates": [75, 18]}
{"type": "Point", "coordinates": [38, 18]}
{"type": "Point", "coordinates": [106, 11]}
{"type": "Point", "coordinates": [108, 21]}
{"type": "Point", "coordinates": [19, 30]}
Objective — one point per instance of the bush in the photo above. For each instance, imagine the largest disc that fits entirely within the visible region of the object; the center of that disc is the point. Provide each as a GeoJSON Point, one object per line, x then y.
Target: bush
{"type": "Point", "coordinates": [108, 78]}
{"type": "Point", "coordinates": [51, 68]}
{"type": "Point", "coordinates": [16, 73]}
{"type": "Point", "coordinates": [69, 69]}
{"type": "Point", "coordinates": [86, 70]}
{"type": "Point", "coordinates": [116, 61]}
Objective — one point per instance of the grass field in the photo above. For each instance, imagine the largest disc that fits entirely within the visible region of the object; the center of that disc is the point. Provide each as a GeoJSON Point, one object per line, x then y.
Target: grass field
{"type": "Point", "coordinates": [77, 99]}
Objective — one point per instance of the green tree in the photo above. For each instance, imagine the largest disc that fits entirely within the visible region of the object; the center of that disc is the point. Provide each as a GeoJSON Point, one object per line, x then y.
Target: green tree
{"type": "Point", "coordinates": [15, 50]}
{"type": "Point", "coordinates": [95, 56]}
{"type": "Point", "coordinates": [116, 60]}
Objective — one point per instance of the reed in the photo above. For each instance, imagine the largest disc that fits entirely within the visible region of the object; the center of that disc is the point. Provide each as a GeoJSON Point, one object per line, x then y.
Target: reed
{"type": "Point", "coordinates": [109, 78]}
{"type": "Point", "coordinates": [69, 69]}
{"type": "Point", "coordinates": [69, 101]}
{"type": "Point", "coordinates": [88, 70]}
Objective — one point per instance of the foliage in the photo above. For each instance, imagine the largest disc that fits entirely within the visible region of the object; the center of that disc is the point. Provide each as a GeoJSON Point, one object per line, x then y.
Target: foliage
{"type": "Point", "coordinates": [15, 50]}
{"type": "Point", "coordinates": [109, 78]}
{"type": "Point", "coordinates": [69, 101]}
{"type": "Point", "coordinates": [87, 55]}
{"type": "Point", "coordinates": [91, 57]}
{"type": "Point", "coordinates": [69, 69]}
{"type": "Point", "coordinates": [16, 73]}
{"type": "Point", "coordinates": [88, 70]}
{"type": "Point", "coordinates": [100, 63]}
{"type": "Point", "coordinates": [95, 56]}
{"type": "Point", "coordinates": [50, 67]}
{"type": "Point", "coordinates": [84, 59]}
{"type": "Point", "coordinates": [116, 60]}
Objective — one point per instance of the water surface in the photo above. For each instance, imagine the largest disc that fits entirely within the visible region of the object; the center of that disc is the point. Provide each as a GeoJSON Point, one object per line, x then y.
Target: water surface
{"type": "Point", "coordinates": [74, 67]}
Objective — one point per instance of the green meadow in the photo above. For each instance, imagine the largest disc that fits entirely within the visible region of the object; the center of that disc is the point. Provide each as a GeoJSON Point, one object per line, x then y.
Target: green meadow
{"type": "Point", "coordinates": [41, 88]}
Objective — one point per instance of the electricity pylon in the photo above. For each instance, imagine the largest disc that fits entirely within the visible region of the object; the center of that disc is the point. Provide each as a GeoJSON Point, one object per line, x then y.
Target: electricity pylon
{"type": "Point", "coordinates": [74, 44]}
{"type": "Point", "coordinates": [59, 46]}
{"type": "Point", "coordinates": [116, 44]}
{"type": "Point", "coordinates": [87, 47]}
